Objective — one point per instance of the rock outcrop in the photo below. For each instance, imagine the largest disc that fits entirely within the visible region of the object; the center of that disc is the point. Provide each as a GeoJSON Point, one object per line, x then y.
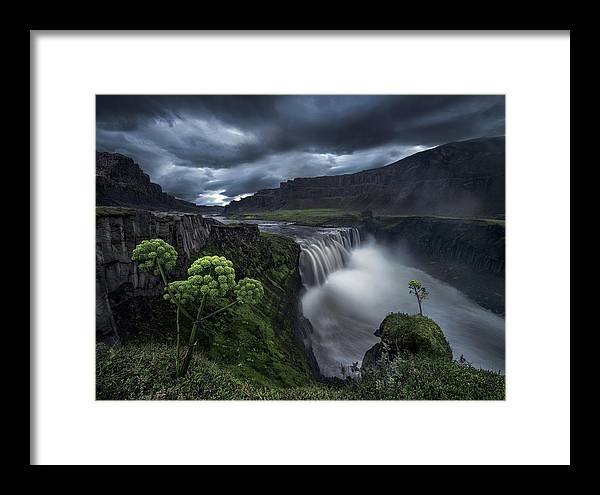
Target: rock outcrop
{"type": "Point", "coordinates": [408, 336]}
{"type": "Point", "coordinates": [465, 178]}
{"type": "Point", "coordinates": [121, 182]}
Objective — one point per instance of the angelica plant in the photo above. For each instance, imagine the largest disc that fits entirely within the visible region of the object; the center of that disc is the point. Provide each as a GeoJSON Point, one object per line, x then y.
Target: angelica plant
{"type": "Point", "coordinates": [155, 256]}
{"type": "Point", "coordinates": [211, 283]}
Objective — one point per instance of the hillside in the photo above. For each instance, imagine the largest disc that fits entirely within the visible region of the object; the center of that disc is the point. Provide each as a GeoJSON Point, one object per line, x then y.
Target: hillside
{"type": "Point", "coordinates": [121, 182]}
{"type": "Point", "coordinates": [464, 178]}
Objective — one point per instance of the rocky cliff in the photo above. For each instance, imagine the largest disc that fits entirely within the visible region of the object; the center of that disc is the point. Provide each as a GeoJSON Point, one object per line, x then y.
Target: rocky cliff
{"type": "Point", "coordinates": [467, 253]}
{"type": "Point", "coordinates": [121, 289]}
{"type": "Point", "coordinates": [463, 179]}
{"type": "Point", "coordinates": [128, 301]}
{"type": "Point", "coordinates": [121, 182]}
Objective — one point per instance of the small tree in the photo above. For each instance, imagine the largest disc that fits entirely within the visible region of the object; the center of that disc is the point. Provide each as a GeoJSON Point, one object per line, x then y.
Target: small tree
{"type": "Point", "coordinates": [415, 287]}
{"type": "Point", "coordinates": [211, 284]}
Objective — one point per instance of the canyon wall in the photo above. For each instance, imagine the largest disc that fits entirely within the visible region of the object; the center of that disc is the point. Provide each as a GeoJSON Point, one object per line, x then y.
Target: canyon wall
{"type": "Point", "coordinates": [459, 179]}
{"type": "Point", "coordinates": [466, 253]}
{"type": "Point", "coordinates": [119, 284]}
{"type": "Point", "coordinates": [127, 298]}
{"type": "Point", "coordinates": [121, 182]}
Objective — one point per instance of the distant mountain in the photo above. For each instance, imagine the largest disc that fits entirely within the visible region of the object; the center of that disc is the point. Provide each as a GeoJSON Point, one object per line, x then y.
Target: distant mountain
{"type": "Point", "coordinates": [121, 182]}
{"type": "Point", "coordinates": [464, 178]}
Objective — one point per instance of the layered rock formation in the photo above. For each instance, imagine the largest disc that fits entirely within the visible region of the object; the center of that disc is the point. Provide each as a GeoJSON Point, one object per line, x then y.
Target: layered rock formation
{"type": "Point", "coordinates": [127, 298]}
{"type": "Point", "coordinates": [464, 179]}
{"type": "Point", "coordinates": [119, 284]}
{"type": "Point", "coordinates": [121, 182]}
{"type": "Point", "coordinates": [476, 243]}
{"type": "Point", "coordinates": [467, 253]}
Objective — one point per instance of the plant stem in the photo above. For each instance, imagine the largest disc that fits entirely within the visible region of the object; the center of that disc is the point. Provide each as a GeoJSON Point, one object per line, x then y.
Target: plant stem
{"type": "Point", "coordinates": [177, 354]}
{"type": "Point", "coordinates": [187, 357]}
{"type": "Point", "coordinates": [179, 307]}
{"type": "Point", "coordinates": [219, 310]}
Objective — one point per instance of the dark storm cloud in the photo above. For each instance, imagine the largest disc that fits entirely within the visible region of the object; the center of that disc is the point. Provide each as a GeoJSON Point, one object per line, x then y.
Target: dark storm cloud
{"type": "Point", "coordinates": [216, 148]}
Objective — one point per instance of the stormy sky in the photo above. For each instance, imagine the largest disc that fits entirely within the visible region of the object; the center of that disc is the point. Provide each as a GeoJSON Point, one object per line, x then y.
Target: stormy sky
{"type": "Point", "coordinates": [214, 149]}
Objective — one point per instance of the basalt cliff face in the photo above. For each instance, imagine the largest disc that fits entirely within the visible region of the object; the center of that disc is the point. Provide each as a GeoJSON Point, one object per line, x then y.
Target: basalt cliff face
{"type": "Point", "coordinates": [463, 179]}
{"type": "Point", "coordinates": [127, 298]}
{"type": "Point", "coordinates": [121, 182]}
{"type": "Point", "coordinates": [122, 291]}
{"type": "Point", "coordinates": [467, 253]}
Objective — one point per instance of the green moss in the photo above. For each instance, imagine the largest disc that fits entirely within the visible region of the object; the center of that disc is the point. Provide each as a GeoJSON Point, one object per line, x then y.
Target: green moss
{"type": "Point", "coordinates": [255, 341]}
{"type": "Point", "coordinates": [414, 336]}
{"type": "Point", "coordinates": [258, 341]}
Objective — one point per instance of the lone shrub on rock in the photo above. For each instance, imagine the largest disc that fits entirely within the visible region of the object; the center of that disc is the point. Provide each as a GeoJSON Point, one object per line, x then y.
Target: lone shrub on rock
{"type": "Point", "coordinates": [416, 287]}
{"type": "Point", "coordinates": [210, 284]}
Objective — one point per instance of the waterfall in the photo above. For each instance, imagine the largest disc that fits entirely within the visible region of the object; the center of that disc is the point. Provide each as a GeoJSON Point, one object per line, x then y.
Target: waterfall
{"type": "Point", "coordinates": [325, 254]}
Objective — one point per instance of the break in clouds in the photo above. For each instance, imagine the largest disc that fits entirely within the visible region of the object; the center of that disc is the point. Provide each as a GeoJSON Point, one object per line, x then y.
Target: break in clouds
{"type": "Point", "coordinates": [214, 149]}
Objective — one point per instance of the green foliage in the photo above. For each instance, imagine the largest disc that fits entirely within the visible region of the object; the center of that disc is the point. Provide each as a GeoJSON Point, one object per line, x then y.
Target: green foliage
{"type": "Point", "coordinates": [211, 278]}
{"type": "Point", "coordinates": [140, 370]}
{"type": "Point", "coordinates": [407, 335]}
{"type": "Point", "coordinates": [256, 340]}
{"type": "Point", "coordinates": [249, 291]}
{"type": "Point", "coordinates": [416, 287]}
{"type": "Point", "coordinates": [182, 292]}
{"type": "Point", "coordinates": [153, 254]}
{"type": "Point", "coordinates": [428, 378]}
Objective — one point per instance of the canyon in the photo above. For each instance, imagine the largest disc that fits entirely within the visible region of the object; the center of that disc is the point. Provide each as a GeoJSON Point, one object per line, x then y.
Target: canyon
{"type": "Point", "coordinates": [466, 253]}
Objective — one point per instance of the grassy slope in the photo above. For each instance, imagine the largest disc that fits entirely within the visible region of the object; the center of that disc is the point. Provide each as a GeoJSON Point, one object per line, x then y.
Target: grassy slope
{"type": "Point", "coordinates": [258, 341]}
{"type": "Point", "coordinates": [254, 354]}
{"type": "Point", "coordinates": [255, 342]}
{"type": "Point", "coordinates": [143, 370]}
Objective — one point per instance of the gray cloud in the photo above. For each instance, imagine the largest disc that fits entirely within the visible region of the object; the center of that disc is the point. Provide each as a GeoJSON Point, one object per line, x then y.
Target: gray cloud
{"type": "Point", "coordinates": [212, 149]}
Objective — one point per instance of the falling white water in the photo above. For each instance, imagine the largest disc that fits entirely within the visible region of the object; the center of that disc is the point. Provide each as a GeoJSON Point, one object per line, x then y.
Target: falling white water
{"type": "Point", "coordinates": [326, 253]}
{"type": "Point", "coordinates": [352, 285]}
{"type": "Point", "coordinates": [349, 305]}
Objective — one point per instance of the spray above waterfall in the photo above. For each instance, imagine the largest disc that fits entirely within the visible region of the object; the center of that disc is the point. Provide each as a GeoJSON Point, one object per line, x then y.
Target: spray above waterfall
{"type": "Point", "coordinates": [326, 253]}
{"type": "Point", "coordinates": [352, 284]}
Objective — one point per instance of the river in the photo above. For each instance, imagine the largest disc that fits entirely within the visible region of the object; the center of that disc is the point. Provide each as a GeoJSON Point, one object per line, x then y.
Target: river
{"type": "Point", "coordinates": [351, 284]}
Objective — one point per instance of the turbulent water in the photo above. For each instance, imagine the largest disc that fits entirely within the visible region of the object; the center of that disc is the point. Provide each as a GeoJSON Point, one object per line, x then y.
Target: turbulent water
{"type": "Point", "coordinates": [326, 252]}
{"type": "Point", "coordinates": [352, 285]}
{"type": "Point", "coordinates": [350, 305]}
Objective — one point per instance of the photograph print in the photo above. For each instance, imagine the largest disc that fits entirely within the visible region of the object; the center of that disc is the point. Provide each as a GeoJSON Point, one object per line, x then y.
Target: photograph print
{"type": "Point", "coordinates": [300, 247]}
